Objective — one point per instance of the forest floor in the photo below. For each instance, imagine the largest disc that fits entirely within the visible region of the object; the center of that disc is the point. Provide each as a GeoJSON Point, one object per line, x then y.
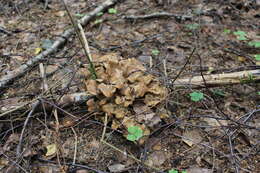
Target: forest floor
{"type": "Point", "coordinates": [201, 129]}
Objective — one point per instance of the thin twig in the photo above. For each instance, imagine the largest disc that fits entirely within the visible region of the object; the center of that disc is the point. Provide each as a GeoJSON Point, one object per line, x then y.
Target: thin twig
{"type": "Point", "coordinates": [186, 63]}
{"type": "Point", "coordinates": [19, 146]}
{"type": "Point", "coordinates": [104, 129]}
{"type": "Point", "coordinates": [76, 145]}
{"type": "Point", "coordinates": [157, 15]}
{"type": "Point", "coordinates": [83, 41]}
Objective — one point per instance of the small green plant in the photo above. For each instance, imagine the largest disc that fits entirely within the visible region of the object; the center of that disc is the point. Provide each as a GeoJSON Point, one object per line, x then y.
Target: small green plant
{"type": "Point", "coordinates": [227, 31]}
{"type": "Point", "coordinates": [100, 14]}
{"type": "Point", "coordinates": [173, 171]}
{"type": "Point", "coordinates": [98, 21]}
{"type": "Point", "coordinates": [241, 35]}
{"type": "Point", "coordinates": [257, 57]}
{"type": "Point", "coordinates": [134, 133]}
{"type": "Point", "coordinates": [155, 52]}
{"type": "Point", "coordinates": [196, 96]}
{"type": "Point", "coordinates": [258, 92]}
{"type": "Point", "coordinates": [176, 171]}
{"type": "Point", "coordinates": [112, 11]}
{"type": "Point", "coordinates": [193, 26]}
{"type": "Point", "coordinates": [255, 44]}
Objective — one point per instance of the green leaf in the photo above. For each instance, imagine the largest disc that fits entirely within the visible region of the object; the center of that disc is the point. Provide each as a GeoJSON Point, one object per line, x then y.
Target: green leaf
{"type": "Point", "coordinates": [241, 35]}
{"type": "Point", "coordinates": [196, 96]}
{"type": "Point", "coordinates": [258, 93]}
{"type": "Point", "coordinates": [227, 31]}
{"type": "Point", "coordinates": [112, 11]}
{"type": "Point", "coordinates": [172, 171]}
{"type": "Point", "coordinates": [193, 26]}
{"type": "Point", "coordinates": [100, 14]}
{"type": "Point", "coordinates": [255, 44]}
{"type": "Point", "coordinates": [131, 137]}
{"type": "Point", "coordinates": [183, 171]}
{"type": "Point", "coordinates": [257, 57]}
{"type": "Point", "coordinates": [134, 133]}
{"type": "Point", "coordinates": [155, 52]}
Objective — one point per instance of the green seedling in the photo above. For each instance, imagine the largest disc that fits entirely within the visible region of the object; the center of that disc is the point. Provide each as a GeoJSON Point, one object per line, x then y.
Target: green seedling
{"type": "Point", "coordinates": [258, 93]}
{"type": "Point", "coordinates": [100, 14]}
{"type": "Point", "coordinates": [241, 35]}
{"type": "Point", "coordinates": [173, 171]}
{"type": "Point", "coordinates": [196, 96]}
{"type": "Point", "coordinates": [255, 44]}
{"type": "Point", "coordinates": [176, 171]}
{"type": "Point", "coordinates": [257, 57]}
{"type": "Point", "coordinates": [112, 11]}
{"type": "Point", "coordinates": [227, 31]}
{"type": "Point", "coordinates": [193, 26]}
{"type": "Point", "coordinates": [134, 133]}
{"type": "Point", "coordinates": [155, 52]}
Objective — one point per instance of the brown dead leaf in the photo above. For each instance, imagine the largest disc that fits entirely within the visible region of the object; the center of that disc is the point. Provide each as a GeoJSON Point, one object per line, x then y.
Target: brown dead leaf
{"type": "Point", "coordinates": [51, 150]}
{"type": "Point", "coordinates": [116, 167]}
{"type": "Point", "coordinates": [107, 90]}
{"type": "Point", "coordinates": [198, 170]}
{"type": "Point", "coordinates": [192, 137]}
{"type": "Point", "coordinates": [145, 115]}
{"type": "Point", "coordinates": [156, 159]}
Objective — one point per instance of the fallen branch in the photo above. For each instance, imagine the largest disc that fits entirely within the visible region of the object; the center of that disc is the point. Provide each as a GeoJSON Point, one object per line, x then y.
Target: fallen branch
{"type": "Point", "coordinates": [158, 15]}
{"type": "Point", "coordinates": [20, 71]}
{"type": "Point", "coordinates": [249, 76]}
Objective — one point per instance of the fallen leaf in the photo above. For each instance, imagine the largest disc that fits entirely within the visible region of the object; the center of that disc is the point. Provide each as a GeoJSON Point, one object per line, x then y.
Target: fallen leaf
{"type": "Point", "coordinates": [37, 50]}
{"type": "Point", "coordinates": [116, 168]}
{"type": "Point", "coordinates": [198, 170]}
{"type": "Point", "coordinates": [156, 158]}
{"type": "Point", "coordinates": [191, 137]}
{"type": "Point", "coordinates": [51, 150]}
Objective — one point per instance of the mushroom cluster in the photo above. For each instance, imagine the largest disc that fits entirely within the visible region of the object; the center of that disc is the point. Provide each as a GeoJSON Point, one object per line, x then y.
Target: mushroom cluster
{"type": "Point", "coordinates": [126, 92]}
